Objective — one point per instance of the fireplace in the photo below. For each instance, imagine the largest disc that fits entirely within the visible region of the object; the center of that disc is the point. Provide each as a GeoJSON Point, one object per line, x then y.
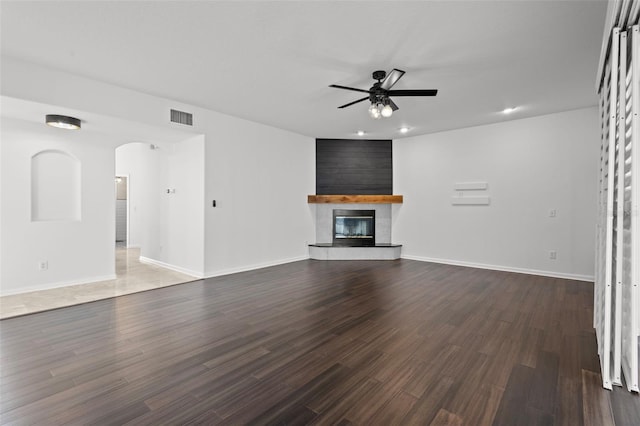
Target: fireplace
{"type": "Point", "coordinates": [354, 228]}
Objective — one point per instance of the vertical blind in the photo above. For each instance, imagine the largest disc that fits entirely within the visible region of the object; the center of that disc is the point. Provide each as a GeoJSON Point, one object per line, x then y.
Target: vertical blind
{"type": "Point", "coordinates": [617, 274]}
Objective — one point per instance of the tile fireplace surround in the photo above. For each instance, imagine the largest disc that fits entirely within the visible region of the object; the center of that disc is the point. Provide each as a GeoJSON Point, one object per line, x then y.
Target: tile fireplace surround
{"type": "Point", "coordinates": [323, 248]}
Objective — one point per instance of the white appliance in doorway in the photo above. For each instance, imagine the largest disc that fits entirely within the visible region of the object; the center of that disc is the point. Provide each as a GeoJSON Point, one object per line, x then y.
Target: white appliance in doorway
{"type": "Point", "coordinates": [121, 209]}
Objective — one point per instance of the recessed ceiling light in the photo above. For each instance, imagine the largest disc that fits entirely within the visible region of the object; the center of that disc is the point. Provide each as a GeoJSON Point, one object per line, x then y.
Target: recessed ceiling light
{"type": "Point", "coordinates": [404, 129]}
{"type": "Point", "coordinates": [360, 132]}
{"type": "Point", "coordinates": [62, 122]}
{"type": "Point", "coordinates": [508, 110]}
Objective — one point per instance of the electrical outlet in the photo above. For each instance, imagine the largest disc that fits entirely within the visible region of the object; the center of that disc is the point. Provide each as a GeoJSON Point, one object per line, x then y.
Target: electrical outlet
{"type": "Point", "coordinates": [43, 265]}
{"type": "Point", "coordinates": [553, 255]}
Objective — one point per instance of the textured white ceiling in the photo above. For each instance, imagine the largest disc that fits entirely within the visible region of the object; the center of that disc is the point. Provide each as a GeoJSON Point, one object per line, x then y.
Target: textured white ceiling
{"type": "Point", "coordinates": [271, 62]}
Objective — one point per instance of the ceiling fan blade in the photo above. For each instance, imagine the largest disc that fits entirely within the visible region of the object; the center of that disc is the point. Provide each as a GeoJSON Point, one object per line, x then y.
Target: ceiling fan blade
{"type": "Point", "coordinates": [349, 88]}
{"type": "Point", "coordinates": [425, 92]}
{"type": "Point", "coordinates": [391, 79]}
{"type": "Point", "coordinates": [393, 105]}
{"type": "Point", "coordinates": [354, 102]}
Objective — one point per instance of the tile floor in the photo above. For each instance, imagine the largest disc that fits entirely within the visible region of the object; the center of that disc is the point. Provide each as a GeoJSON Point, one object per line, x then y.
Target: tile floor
{"type": "Point", "coordinates": [132, 277]}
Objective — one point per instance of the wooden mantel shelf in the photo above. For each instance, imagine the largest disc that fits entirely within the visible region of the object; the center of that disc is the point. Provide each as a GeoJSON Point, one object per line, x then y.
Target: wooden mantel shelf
{"type": "Point", "coordinates": [354, 199]}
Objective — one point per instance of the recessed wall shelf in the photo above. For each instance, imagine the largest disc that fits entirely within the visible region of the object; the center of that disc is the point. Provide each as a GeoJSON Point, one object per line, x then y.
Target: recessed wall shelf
{"type": "Point", "coordinates": [355, 199]}
{"type": "Point", "coordinates": [470, 186]}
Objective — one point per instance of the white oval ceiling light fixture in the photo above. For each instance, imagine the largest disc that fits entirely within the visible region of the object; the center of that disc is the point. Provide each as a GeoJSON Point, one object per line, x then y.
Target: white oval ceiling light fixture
{"type": "Point", "coordinates": [360, 132]}
{"type": "Point", "coordinates": [63, 122]}
{"type": "Point", "coordinates": [508, 110]}
{"type": "Point", "coordinates": [404, 130]}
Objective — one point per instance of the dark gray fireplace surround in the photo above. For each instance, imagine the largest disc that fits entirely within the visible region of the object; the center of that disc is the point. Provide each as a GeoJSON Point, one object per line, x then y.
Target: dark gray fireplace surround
{"type": "Point", "coordinates": [354, 166]}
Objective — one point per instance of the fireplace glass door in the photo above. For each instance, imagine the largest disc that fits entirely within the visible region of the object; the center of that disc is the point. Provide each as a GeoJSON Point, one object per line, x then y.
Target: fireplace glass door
{"type": "Point", "coordinates": [354, 228]}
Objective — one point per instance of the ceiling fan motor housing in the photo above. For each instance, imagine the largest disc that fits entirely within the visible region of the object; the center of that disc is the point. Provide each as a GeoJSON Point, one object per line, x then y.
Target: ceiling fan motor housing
{"type": "Point", "coordinates": [376, 92]}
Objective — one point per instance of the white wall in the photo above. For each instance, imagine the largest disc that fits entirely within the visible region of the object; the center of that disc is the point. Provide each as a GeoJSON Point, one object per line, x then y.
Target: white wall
{"type": "Point", "coordinates": [259, 175]}
{"type": "Point", "coordinates": [183, 239]}
{"type": "Point", "coordinates": [531, 166]}
{"type": "Point", "coordinates": [75, 250]}
{"type": "Point", "coordinates": [260, 178]}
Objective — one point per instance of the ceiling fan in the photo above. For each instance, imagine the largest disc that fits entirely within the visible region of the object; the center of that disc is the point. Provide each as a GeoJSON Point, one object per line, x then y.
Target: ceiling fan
{"type": "Point", "coordinates": [379, 94]}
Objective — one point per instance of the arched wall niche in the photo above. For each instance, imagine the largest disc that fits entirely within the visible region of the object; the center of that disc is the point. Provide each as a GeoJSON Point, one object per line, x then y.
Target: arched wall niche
{"type": "Point", "coordinates": [55, 187]}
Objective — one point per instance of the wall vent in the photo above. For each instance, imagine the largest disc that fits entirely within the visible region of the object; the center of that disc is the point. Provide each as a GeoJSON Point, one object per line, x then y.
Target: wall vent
{"type": "Point", "coordinates": [181, 117]}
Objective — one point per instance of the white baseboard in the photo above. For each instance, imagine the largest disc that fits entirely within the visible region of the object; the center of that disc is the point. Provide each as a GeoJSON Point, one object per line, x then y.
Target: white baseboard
{"type": "Point", "coordinates": [552, 274]}
{"type": "Point", "coordinates": [180, 269]}
{"type": "Point", "coordinates": [59, 284]}
{"type": "Point", "coordinates": [211, 274]}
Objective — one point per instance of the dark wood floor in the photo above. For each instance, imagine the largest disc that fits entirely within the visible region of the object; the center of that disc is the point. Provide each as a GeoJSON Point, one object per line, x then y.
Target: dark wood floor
{"type": "Point", "coordinates": [391, 342]}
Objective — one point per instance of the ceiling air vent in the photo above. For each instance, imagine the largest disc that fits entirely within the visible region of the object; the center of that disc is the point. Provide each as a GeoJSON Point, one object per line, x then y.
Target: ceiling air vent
{"type": "Point", "coordinates": [181, 117]}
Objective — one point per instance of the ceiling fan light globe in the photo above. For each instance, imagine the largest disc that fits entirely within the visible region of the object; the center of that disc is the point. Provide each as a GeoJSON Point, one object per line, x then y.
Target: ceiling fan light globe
{"type": "Point", "coordinates": [387, 111]}
{"type": "Point", "coordinates": [374, 111]}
